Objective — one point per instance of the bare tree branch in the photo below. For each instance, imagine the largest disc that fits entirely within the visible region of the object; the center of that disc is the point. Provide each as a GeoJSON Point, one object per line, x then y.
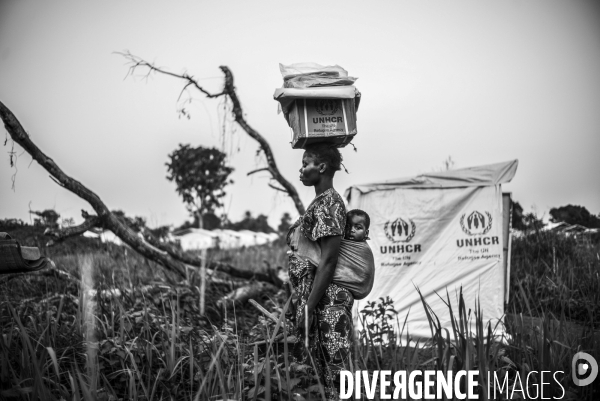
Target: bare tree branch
{"type": "Point", "coordinates": [196, 261]}
{"type": "Point", "coordinates": [172, 259]}
{"type": "Point", "coordinates": [147, 245]}
{"type": "Point", "coordinates": [136, 62]}
{"type": "Point", "coordinates": [264, 145]}
{"type": "Point", "coordinates": [54, 179]}
{"type": "Point", "coordinates": [229, 91]}
{"type": "Point", "coordinates": [242, 294]}
{"type": "Point", "coordinates": [59, 234]}
{"type": "Point", "coordinates": [258, 170]}
{"type": "Point", "coordinates": [276, 188]}
{"type": "Point", "coordinates": [108, 220]}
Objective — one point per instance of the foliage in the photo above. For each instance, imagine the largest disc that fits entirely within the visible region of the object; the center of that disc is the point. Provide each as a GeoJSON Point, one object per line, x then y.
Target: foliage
{"type": "Point", "coordinates": [525, 221]}
{"type": "Point", "coordinates": [29, 235]}
{"type": "Point", "coordinates": [161, 233]}
{"type": "Point", "coordinates": [573, 214]}
{"type": "Point", "coordinates": [285, 224]}
{"type": "Point", "coordinates": [150, 342]}
{"type": "Point", "coordinates": [136, 223]}
{"type": "Point", "coordinates": [210, 221]}
{"type": "Point", "coordinates": [201, 175]}
{"type": "Point", "coordinates": [259, 223]}
{"type": "Point", "coordinates": [378, 318]}
{"type": "Point", "coordinates": [557, 274]}
{"type": "Point", "coordinates": [67, 222]}
{"type": "Point", "coordinates": [9, 224]}
{"type": "Point", "coordinates": [149, 337]}
{"type": "Point", "coordinates": [517, 216]}
{"type": "Point", "coordinates": [49, 218]}
{"type": "Point", "coordinates": [255, 258]}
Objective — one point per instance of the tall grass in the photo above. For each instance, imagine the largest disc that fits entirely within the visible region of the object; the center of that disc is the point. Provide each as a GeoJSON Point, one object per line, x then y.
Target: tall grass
{"type": "Point", "coordinates": [140, 335]}
{"type": "Point", "coordinates": [555, 274]}
{"type": "Point", "coordinates": [255, 258]}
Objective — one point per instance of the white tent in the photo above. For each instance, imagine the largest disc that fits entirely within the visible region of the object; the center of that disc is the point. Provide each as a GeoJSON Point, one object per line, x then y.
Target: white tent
{"type": "Point", "coordinates": [228, 238]}
{"type": "Point", "coordinates": [196, 238]}
{"type": "Point", "coordinates": [104, 236]}
{"type": "Point", "coordinates": [440, 232]}
{"type": "Point", "coordinates": [258, 237]}
{"type": "Point", "coordinates": [250, 238]}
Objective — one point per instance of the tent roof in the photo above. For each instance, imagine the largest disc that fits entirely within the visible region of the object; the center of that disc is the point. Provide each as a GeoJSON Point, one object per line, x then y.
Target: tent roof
{"type": "Point", "coordinates": [194, 231]}
{"type": "Point", "coordinates": [490, 174]}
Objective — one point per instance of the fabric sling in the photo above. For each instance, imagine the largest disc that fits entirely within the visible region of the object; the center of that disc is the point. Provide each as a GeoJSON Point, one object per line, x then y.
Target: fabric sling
{"type": "Point", "coordinates": [355, 269]}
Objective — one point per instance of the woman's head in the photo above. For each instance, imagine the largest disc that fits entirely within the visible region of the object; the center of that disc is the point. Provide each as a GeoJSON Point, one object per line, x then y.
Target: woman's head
{"type": "Point", "coordinates": [319, 159]}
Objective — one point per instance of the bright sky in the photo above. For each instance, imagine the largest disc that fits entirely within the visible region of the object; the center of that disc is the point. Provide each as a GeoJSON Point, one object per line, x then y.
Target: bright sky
{"type": "Point", "coordinates": [481, 82]}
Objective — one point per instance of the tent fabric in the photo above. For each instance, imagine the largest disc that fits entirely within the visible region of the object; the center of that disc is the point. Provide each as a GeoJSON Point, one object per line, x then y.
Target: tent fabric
{"type": "Point", "coordinates": [491, 174]}
{"type": "Point", "coordinates": [197, 238]}
{"type": "Point", "coordinates": [440, 233]}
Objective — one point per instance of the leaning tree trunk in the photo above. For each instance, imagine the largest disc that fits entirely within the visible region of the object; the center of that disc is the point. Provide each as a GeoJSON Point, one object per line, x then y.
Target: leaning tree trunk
{"type": "Point", "coordinates": [171, 259]}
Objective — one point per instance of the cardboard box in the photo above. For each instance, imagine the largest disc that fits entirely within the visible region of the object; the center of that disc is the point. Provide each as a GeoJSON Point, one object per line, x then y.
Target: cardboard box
{"type": "Point", "coordinates": [322, 120]}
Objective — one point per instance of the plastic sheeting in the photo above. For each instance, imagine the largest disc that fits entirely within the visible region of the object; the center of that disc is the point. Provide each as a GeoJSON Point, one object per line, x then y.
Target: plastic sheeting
{"type": "Point", "coordinates": [307, 75]}
{"type": "Point", "coordinates": [438, 232]}
{"type": "Point", "coordinates": [292, 70]}
{"type": "Point", "coordinates": [491, 174]}
{"type": "Point", "coordinates": [287, 96]}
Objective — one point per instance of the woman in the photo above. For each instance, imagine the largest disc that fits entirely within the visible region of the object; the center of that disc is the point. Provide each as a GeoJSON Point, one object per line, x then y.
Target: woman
{"type": "Point", "coordinates": [328, 321]}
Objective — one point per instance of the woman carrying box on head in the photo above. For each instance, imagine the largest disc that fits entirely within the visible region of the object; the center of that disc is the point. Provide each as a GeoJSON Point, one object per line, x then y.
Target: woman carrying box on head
{"type": "Point", "coordinates": [323, 308]}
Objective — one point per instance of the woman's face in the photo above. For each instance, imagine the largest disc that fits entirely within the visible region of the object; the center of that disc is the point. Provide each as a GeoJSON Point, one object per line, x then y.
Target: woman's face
{"type": "Point", "coordinates": [310, 173]}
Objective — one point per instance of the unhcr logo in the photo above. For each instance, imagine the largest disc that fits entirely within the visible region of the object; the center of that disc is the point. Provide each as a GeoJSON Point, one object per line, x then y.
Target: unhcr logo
{"type": "Point", "coordinates": [476, 223]}
{"type": "Point", "coordinates": [326, 107]}
{"type": "Point", "coordinates": [399, 230]}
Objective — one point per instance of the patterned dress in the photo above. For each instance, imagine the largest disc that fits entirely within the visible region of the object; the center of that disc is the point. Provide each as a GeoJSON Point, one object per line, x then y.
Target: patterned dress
{"type": "Point", "coordinates": [330, 339]}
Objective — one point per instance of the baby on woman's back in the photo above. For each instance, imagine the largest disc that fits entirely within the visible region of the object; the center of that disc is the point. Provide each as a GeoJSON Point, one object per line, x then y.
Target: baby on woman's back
{"type": "Point", "coordinates": [356, 267]}
{"type": "Point", "coordinates": [357, 225]}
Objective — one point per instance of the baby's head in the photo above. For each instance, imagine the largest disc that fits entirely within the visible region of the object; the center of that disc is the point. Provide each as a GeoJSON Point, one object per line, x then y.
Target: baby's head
{"type": "Point", "coordinates": [357, 225]}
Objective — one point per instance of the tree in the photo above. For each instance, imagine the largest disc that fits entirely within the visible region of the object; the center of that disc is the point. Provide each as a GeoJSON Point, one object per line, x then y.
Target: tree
{"type": "Point", "coordinates": [49, 218]}
{"type": "Point", "coordinates": [201, 174]}
{"type": "Point", "coordinates": [533, 222]}
{"type": "Point", "coordinates": [573, 214]}
{"type": "Point", "coordinates": [104, 218]}
{"type": "Point", "coordinates": [161, 233]}
{"type": "Point", "coordinates": [260, 223]}
{"type": "Point", "coordinates": [525, 221]}
{"type": "Point", "coordinates": [210, 221]}
{"type": "Point", "coordinates": [286, 223]}
{"type": "Point", "coordinates": [146, 244]}
{"type": "Point", "coordinates": [136, 223]}
{"type": "Point", "coordinates": [517, 217]}
{"type": "Point", "coordinates": [229, 94]}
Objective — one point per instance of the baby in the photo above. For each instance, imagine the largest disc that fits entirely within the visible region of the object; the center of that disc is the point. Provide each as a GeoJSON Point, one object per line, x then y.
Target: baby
{"type": "Point", "coordinates": [356, 266]}
{"type": "Point", "coordinates": [357, 226]}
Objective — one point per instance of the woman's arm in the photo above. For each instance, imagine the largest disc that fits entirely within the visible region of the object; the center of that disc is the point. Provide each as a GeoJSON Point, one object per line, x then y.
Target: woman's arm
{"type": "Point", "coordinates": [330, 248]}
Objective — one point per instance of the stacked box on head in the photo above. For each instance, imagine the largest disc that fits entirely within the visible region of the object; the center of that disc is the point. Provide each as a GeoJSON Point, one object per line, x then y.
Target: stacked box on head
{"type": "Point", "coordinates": [322, 120]}
{"type": "Point", "coordinates": [318, 106]}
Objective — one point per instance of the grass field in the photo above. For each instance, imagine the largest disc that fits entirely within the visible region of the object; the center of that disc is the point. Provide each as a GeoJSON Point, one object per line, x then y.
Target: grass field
{"type": "Point", "coordinates": [126, 330]}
